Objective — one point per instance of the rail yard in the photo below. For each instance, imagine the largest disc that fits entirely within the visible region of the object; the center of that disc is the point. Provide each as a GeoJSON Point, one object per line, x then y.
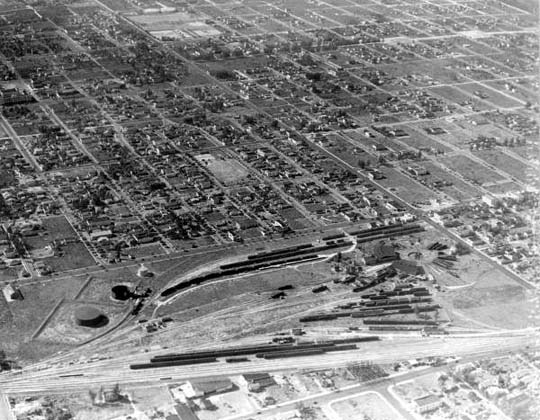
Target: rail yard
{"type": "Point", "coordinates": [269, 210]}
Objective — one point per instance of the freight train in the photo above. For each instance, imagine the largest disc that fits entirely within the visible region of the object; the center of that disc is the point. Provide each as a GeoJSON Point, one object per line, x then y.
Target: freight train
{"type": "Point", "coordinates": [236, 355]}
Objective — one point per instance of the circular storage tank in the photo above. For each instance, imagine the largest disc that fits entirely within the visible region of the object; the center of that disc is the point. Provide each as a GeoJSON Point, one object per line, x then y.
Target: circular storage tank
{"type": "Point", "coordinates": [88, 316]}
{"type": "Point", "coordinates": [120, 292]}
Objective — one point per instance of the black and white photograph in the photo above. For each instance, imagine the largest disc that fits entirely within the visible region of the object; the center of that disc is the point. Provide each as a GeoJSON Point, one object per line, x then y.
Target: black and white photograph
{"type": "Point", "coordinates": [269, 210]}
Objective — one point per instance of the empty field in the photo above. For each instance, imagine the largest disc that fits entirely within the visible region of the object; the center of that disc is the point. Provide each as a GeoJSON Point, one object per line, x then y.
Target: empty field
{"type": "Point", "coordinates": [459, 190]}
{"type": "Point", "coordinates": [503, 188]}
{"type": "Point", "coordinates": [370, 405]}
{"type": "Point", "coordinates": [461, 98]}
{"type": "Point", "coordinates": [406, 188]}
{"type": "Point", "coordinates": [507, 164]}
{"type": "Point", "coordinates": [165, 21]}
{"type": "Point", "coordinates": [471, 170]}
{"type": "Point", "coordinates": [228, 171]}
{"type": "Point", "coordinates": [491, 96]}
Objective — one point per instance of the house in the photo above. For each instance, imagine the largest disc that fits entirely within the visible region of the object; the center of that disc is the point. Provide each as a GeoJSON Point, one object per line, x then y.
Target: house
{"type": "Point", "coordinates": [427, 403]}
{"type": "Point", "coordinates": [243, 223]}
{"type": "Point", "coordinates": [417, 170]}
{"type": "Point", "coordinates": [258, 381]}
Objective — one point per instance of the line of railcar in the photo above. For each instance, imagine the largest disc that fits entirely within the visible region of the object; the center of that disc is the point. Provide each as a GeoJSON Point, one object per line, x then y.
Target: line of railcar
{"type": "Point", "coordinates": [295, 254]}
{"type": "Point", "coordinates": [399, 322]}
{"type": "Point", "coordinates": [169, 363]}
{"type": "Point", "coordinates": [306, 352]}
{"type": "Point", "coordinates": [332, 237]}
{"type": "Point", "coordinates": [233, 271]}
{"type": "Point", "coordinates": [375, 229]}
{"type": "Point", "coordinates": [278, 252]}
{"type": "Point", "coordinates": [236, 355]}
{"type": "Point", "coordinates": [284, 254]}
{"type": "Point", "coordinates": [236, 359]}
{"type": "Point", "coordinates": [241, 351]}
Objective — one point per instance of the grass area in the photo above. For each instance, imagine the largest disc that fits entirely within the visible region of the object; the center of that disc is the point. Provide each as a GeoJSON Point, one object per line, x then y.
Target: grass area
{"type": "Point", "coordinates": [55, 228]}
{"type": "Point", "coordinates": [163, 21]}
{"type": "Point", "coordinates": [63, 329]}
{"type": "Point", "coordinates": [506, 163]}
{"type": "Point", "coordinates": [9, 273]}
{"type": "Point", "coordinates": [58, 228]}
{"type": "Point", "coordinates": [75, 256]}
{"type": "Point", "coordinates": [99, 288]}
{"type": "Point", "coordinates": [503, 188]}
{"type": "Point", "coordinates": [25, 316]}
{"type": "Point", "coordinates": [437, 69]}
{"type": "Point", "coordinates": [487, 296]}
{"type": "Point", "coordinates": [459, 190]}
{"type": "Point", "coordinates": [461, 98]}
{"type": "Point", "coordinates": [518, 92]}
{"type": "Point", "coordinates": [493, 97]}
{"type": "Point", "coordinates": [406, 188]}
{"type": "Point", "coordinates": [254, 284]}
{"type": "Point", "coordinates": [418, 140]}
{"type": "Point", "coordinates": [470, 169]}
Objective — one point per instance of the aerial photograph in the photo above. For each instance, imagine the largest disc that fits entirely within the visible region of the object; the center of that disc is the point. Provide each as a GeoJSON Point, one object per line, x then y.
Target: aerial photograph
{"type": "Point", "coordinates": [269, 210]}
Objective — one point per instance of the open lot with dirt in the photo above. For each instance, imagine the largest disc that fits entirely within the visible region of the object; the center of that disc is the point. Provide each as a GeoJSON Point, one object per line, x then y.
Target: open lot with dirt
{"type": "Point", "coordinates": [27, 315]}
{"type": "Point", "coordinates": [499, 100]}
{"type": "Point", "coordinates": [369, 405]}
{"type": "Point", "coordinates": [227, 170]}
{"type": "Point", "coordinates": [470, 169]}
{"type": "Point", "coordinates": [508, 164]}
{"type": "Point", "coordinates": [405, 187]}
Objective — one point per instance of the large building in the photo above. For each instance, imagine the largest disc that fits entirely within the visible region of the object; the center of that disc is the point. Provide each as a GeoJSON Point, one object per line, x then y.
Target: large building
{"type": "Point", "coordinates": [88, 316]}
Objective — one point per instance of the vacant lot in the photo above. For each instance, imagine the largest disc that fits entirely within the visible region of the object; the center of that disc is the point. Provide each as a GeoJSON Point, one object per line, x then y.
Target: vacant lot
{"type": "Point", "coordinates": [24, 317]}
{"type": "Point", "coordinates": [515, 91]}
{"type": "Point", "coordinates": [483, 296]}
{"type": "Point", "coordinates": [258, 283]}
{"type": "Point", "coordinates": [461, 98]}
{"type": "Point", "coordinates": [503, 188]}
{"type": "Point", "coordinates": [226, 170]}
{"type": "Point", "coordinates": [165, 21]}
{"type": "Point", "coordinates": [63, 329]}
{"type": "Point", "coordinates": [507, 164]}
{"type": "Point", "coordinates": [74, 256]}
{"type": "Point", "coordinates": [406, 188]}
{"type": "Point", "coordinates": [492, 96]}
{"type": "Point", "coordinates": [368, 405]}
{"type": "Point", "coordinates": [471, 170]}
{"type": "Point", "coordinates": [459, 190]}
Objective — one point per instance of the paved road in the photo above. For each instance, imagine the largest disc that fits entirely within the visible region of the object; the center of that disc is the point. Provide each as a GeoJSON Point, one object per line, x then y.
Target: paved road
{"type": "Point", "coordinates": [5, 409]}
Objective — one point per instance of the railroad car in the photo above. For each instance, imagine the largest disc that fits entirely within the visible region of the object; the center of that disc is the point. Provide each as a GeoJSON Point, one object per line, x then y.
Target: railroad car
{"type": "Point", "coordinates": [170, 363]}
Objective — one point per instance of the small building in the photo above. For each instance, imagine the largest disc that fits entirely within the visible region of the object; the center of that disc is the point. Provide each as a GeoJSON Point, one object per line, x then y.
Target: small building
{"type": "Point", "coordinates": [428, 403]}
{"type": "Point", "coordinates": [382, 253]}
{"type": "Point", "coordinates": [198, 389]}
{"type": "Point", "coordinates": [258, 381]}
